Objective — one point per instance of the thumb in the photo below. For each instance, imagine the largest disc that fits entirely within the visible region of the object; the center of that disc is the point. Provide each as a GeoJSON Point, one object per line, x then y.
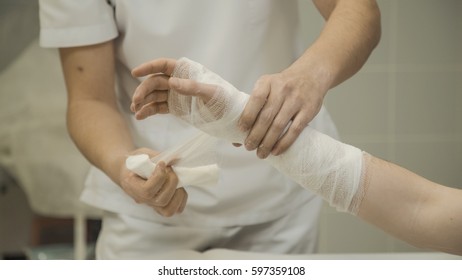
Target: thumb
{"type": "Point", "coordinates": [193, 88]}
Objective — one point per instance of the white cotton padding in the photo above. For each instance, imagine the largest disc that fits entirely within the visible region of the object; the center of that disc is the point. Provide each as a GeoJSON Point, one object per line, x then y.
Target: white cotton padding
{"type": "Point", "coordinates": [316, 161]}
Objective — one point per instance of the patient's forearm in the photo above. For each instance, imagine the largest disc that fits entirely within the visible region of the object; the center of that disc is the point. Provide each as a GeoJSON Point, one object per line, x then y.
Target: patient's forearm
{"type": "Point", "coordinates": [412, 208]}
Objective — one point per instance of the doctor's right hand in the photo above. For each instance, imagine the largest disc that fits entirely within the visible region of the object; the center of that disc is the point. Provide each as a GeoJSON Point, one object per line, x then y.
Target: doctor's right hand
{"type": "Point", "coordinates": [159, 191]}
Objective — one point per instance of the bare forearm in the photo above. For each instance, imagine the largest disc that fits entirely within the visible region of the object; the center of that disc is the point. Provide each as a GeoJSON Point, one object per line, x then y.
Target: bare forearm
{"type": "Point", "coordinates": [101, 134]}
{"type": "Point", "coordinates": [412, 208]}
{"type": "Point", "coordinates": [351, 32]}
{"type": "Point", "coordinates": [94, 121]}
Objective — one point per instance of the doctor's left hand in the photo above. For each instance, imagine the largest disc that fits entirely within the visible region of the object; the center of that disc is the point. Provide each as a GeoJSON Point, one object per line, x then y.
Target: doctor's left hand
{"type": "Point", "coordinates": [280, 107]}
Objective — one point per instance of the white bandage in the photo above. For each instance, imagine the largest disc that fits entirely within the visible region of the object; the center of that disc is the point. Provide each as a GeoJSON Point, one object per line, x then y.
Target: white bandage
{"type": "Point", "coordinates": [315, 161]}
{"type": "Point", "coordinates": [141, 165]}
{"type": "Point", "coordinates": [201, 176]}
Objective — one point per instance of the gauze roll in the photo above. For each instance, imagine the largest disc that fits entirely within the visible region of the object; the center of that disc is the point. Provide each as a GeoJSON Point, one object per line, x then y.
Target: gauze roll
{"type": "Point", "coordinates": [202, 176]}
{"type": "Point", "coordinates": [193, 161]}
{"type": "Point", "coordinates": [316, 161]}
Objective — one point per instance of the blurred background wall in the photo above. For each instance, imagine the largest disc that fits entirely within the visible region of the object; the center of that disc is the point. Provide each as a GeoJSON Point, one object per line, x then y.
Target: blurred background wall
{"type": "Point", "coordinates": [405, 106]}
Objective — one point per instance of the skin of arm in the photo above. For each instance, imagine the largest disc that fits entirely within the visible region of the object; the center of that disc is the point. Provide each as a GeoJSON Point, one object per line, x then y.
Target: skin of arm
{"type": "Point", "coordinates": [412, 208]}
{"type": "Point", "coordinates": [402, 203]}
{"type": "Point", "coordinates": [100, 132]}
{"type": "Point", "coordinates": [295, 96]}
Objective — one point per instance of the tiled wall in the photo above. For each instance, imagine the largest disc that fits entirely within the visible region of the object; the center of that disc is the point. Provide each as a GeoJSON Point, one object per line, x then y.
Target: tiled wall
{"type": "Point", "coordinates": [405, 106]}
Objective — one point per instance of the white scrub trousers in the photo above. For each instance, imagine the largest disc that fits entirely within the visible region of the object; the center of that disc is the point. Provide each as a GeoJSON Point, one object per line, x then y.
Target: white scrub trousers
{"type": "Point", "coordinates": [128, 238]}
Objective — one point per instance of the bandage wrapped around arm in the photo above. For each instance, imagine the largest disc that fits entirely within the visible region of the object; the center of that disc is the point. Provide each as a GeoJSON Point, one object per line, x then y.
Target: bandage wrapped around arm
{"type": "Point", "coordinates": [329, 168]}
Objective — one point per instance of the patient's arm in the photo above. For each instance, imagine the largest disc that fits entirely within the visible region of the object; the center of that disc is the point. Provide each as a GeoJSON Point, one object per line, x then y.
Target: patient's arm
{"type": "Point", "coordinates": [400, 202]}
{"type": "Point", "coordinates": [412, 208]}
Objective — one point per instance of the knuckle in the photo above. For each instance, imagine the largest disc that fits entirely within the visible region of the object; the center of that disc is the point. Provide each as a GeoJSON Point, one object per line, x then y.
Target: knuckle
{"type": "Point", "coordinates": [279, 125]}
{"type": "Point", "coordinates": [287, 86]}
{"type": "Point", "coordinates": [266, 116]}
{"type": "Point", "coordinates": [264, 78]}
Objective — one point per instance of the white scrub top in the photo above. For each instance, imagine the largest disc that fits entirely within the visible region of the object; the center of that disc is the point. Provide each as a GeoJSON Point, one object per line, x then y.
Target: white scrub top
{"type": "Point", "coordinates": [238, 39]}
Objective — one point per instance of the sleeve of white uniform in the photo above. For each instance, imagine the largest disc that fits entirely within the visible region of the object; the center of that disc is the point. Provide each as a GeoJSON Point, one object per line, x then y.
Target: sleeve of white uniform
{"type": "Point", "coordinates": [71, 23]}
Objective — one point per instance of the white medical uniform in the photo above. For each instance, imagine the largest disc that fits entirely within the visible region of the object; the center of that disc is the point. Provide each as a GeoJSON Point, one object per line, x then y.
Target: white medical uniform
{"type": "Point", "coordinates": [253, 207]}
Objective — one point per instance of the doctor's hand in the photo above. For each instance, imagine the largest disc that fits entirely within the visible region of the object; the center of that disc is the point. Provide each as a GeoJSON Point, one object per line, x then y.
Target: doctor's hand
{"type": "Point", "coordinates": [280, 107]}
{"type": "Point", "coordinates": [159, 191]}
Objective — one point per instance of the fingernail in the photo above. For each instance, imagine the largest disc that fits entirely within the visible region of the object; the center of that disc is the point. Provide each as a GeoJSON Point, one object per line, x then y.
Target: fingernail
{"type": "Point", "coordinates": [249, 145]}
{"type": "Point", "coordinates": [262, 152]}
{"type": "Point", "coordinates": [162, 168]}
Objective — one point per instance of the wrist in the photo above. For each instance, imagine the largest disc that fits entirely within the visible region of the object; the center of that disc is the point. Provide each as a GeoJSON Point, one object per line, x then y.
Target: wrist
{"type": "Point", "coordinates": [316, 70]}
{"type": "Point", "coordinates": [113, 165]}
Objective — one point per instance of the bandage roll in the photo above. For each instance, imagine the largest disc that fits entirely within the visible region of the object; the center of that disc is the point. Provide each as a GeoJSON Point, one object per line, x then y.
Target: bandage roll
{"type": "Point", "coordinates": [201, 176]}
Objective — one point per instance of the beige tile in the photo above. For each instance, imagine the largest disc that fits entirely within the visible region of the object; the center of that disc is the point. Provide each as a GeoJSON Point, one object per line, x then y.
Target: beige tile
{"type": "Point", "coordinates": [380, 149]}
{"type": "Point", "coordinates": [440, 162]}
{"type": "Point", "coordinates": [429, 31]}
{"type": "Point", "coordinates": [459, 102]}
{"type": "Point", "coordinates": [360, 105]}
{"type": "Point", "coordinates": [311, 21]}
{"type": "Point", "coordinates": [426, 102]}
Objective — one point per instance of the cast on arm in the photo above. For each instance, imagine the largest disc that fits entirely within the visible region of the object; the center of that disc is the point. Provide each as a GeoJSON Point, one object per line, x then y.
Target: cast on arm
{"type": "Point", "coordinates": [282, 104]}
{"type": "Point", "coordinates": [402, 203]}
{"type": "Point", "coordinates": [100, 132]}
